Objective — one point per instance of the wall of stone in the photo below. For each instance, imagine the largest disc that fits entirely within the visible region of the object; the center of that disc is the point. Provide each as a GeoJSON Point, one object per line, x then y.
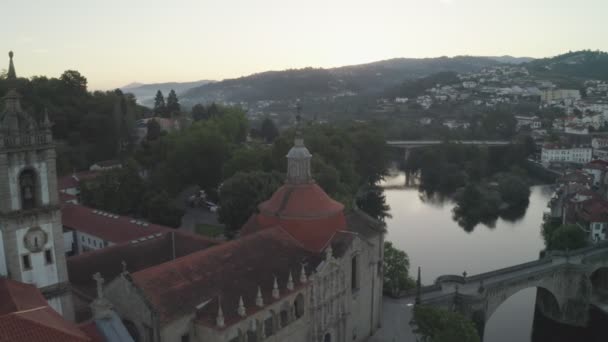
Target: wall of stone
{"type": "Point", "coordinates": [131, 306]}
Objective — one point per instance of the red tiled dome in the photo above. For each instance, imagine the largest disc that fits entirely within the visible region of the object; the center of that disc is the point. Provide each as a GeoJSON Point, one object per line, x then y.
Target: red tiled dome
{"type": "Point", "coordinates": [304, 211]}
{"type": "Point", "coordinates": [300, 201]}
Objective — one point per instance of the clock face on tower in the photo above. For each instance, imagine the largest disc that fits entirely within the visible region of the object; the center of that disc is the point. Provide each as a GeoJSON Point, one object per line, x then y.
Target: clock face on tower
{"type": "Point", "coordinates": [35, 239]}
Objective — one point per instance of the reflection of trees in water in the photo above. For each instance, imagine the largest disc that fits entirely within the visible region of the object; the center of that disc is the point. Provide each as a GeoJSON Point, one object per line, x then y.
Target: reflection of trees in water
{"type": "Point", "coordinates": [469, 220]}
{"type": "Point", "coordinates": [434, 199]}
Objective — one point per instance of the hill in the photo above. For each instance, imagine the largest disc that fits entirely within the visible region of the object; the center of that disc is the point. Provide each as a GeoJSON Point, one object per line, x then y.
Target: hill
{"type": "Point", "coordinates": [571, 68]}
{"type": "Point", "coordinates": [144, 93]}
{"type": "Point", "coordinates": [361, 79]}
{"type": "Point", "coordinates": [511, 60]}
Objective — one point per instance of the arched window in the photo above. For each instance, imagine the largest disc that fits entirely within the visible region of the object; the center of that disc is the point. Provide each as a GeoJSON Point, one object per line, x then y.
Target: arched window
{"type": "Point", "coordinates": [327, 338]}
{"type": "Point", "coordinates": [299, 306]}
{"type": "Point", "coordinates": [28, 189]}
{"type": "Point", "coordinates": [284, 318]}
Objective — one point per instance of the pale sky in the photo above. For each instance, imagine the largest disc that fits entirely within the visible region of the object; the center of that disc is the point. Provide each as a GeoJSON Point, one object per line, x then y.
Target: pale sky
{"type": "Point", "coordinates": [115, 42]}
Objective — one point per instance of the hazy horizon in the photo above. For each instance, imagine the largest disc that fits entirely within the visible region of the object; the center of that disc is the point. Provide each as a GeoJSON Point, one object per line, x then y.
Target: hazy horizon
{"type": "Point", "coordinates": [114, 44]}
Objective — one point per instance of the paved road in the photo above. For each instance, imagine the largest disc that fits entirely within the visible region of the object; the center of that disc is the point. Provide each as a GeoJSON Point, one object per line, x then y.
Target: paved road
{"type": "Point", "coordinates": [396, 315]}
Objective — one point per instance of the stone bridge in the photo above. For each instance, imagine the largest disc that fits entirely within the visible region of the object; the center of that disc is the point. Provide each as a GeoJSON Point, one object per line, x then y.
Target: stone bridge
{"type": "Point", "coordinates": [408, 144]}
{"type": "Point", "coordinates": [567, 282]}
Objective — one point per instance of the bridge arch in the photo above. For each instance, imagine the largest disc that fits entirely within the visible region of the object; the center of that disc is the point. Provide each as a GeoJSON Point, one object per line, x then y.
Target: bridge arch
{"type": "Point", "coordinates": [599, 281]}
{"type": "Point", "coordinates": [546, 299]}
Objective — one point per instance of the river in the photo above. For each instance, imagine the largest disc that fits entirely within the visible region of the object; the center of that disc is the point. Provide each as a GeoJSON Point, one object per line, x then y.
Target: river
{"type": "Point", "coordinates": [424, 228]}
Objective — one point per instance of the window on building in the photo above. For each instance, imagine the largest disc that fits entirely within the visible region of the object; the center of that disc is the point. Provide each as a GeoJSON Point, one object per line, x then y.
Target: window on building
{"type": "Point", "coordinates": [82, 238]}
{"type": "Point", "coordinates": [27, 263]}
{"type": "Point", "coordinates": [95, 243]}
{"type": "Point", "coordinates": [268, 327]}
{"type": "Point", "coordinates": [284, 318]}
{"type": "Point", "coordinates": [252, 336]}
{"type": "Point", "coordinates": [354, 273]}
{"type": "Point", "coordinates": [48, 256]}
{"type": "Point", "coordinates": [27, 187]}
{"type": "Point", "coordinates": [299, 306]}
{"type": "Point", "coordinates": [186, 337]}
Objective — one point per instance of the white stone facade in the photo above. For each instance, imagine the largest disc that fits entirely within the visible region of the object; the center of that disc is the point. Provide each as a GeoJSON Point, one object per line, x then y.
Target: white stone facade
{"type": "Point", "coordinates": [579, 155]}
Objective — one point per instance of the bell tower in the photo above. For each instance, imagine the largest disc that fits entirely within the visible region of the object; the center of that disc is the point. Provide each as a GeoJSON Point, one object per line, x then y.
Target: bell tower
{"type": "Point", "coordinates": [31, 233]}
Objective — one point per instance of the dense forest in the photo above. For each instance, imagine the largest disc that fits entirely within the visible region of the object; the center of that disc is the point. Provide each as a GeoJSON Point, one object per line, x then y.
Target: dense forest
{"type": "Point", "coordinates": [87, 126]}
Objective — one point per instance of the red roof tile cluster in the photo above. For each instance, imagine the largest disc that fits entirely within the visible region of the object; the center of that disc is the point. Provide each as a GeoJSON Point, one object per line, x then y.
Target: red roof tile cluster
{"type": "Point", "coordinates": [227, 271]}
{"type": "Point", "coordinates": [26, 317]}
{"type": "Point", "coordinates": [594, 211]}
{"type": "Point", "coordinates": [90, 329]}
{"type": "Point", "coordinates": [137, 256]}
{"type": "Point", "coordinates": [304, 211]}
{"type": "Point", "coordinates": [106, 226]}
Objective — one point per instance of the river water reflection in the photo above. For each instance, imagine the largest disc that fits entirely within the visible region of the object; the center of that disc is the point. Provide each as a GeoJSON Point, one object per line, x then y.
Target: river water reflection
{"type": "Point", "coordinates": [424, 228]}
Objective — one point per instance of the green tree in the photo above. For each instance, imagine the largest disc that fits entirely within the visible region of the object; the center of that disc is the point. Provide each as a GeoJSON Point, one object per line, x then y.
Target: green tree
{"type": "Point", "coordinates": [173, 106]}
{"type": "Point", "coordinates": [153, 130]}
{"type": "Point", "coordinates": [396, 270]}
{"type": "Point", "coordinates": [438, 325]}
{"type": "Point", "coordinates": [74, 81]}
{"type": "Point", "coordinates": [160, 109]}
{"type": "Point", "coordinates": [569, 236]}
{"type": "Point", "coordinates": [513, 189]}
{"type": "Point", "coordinates": [269, 130]}
{"type": "Point", "coordinates": [158, 208]}
{"type": "Point", "coordinates": [241, 194]}
{"type": "Point", "coordinates": [199, 112]}
{"type": "Point", "coordinates": [372, 201]}
{"type": "Point", "coordinates": [247, 159]}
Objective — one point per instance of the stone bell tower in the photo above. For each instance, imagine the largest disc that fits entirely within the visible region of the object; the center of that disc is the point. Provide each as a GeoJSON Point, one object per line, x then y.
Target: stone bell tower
{"type": "Point", "coordinates": [31, 233]}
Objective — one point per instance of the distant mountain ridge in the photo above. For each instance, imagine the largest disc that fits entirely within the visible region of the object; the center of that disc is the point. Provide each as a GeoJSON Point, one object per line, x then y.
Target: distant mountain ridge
{"type": "Point", "coordinates": [324, 83]}
{"type": "Point", "coordinates": [145, 92]}
{"type": "Point", "coordinates": [511, 60]}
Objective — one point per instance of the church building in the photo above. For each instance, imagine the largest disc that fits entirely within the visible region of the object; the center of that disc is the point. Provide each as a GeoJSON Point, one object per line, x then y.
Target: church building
{"type": "Point", "coordinates": [302, 269]}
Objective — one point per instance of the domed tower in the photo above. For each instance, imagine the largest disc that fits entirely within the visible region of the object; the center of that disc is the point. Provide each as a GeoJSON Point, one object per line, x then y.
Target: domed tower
{"type": "Point", "coordinates": [31, 234]}
{"type": "Point", "coordinates": [300, 206]}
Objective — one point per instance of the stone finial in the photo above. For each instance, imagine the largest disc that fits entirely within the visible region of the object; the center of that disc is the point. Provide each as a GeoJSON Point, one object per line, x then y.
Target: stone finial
{"type": "Point", "coordinates": [99, 283]}
{"type": "Point", "coordinates": [219, 320]}
{"type": "Point", "coordinates": [303, 277]}
{"type": "Point", "coordinates": [418, 287]}
{"type": "Point", "coordinates": [11, 75]}
{"type": "Point", "coordinates": [275, 289]}
{"type": "Point", "coordinates": [241, 309]}
{"type": "Point", "coordinates": [329, 253]}
{"type": "Point", "coordinates": [46, 122]}
{"type": "Point", "coordinates": [124, 267]}
{"type": "Point", "coordinates": [259, 300]}
{"type": "Point", "coordinates": [290, 282]}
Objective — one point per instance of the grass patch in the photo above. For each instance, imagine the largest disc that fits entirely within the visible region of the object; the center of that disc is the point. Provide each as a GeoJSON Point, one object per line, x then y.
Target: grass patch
{"type": "Point", "coordinates": [209, 230]}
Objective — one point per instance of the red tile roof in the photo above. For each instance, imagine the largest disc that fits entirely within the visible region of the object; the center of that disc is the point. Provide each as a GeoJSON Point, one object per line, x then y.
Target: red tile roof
{"type": "Point", "coordinates": [230, 270]}
{"type": "Point", "coordinates": [304, 211]}
{"type": "Point", "coordinates": [90, 329]}
{"type": "Point", "coordinates": [137, 256]}
{"type": "Point", "coordinates": [108, 227]}
{"type": "Point", "coordinates": [26, 317]}
{"type": "Point", "coordinates": [594, 211]}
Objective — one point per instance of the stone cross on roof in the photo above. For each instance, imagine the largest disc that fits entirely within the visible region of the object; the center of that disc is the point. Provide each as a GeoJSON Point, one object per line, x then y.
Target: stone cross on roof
{"type": "Point", "coordinates": [99, 282]}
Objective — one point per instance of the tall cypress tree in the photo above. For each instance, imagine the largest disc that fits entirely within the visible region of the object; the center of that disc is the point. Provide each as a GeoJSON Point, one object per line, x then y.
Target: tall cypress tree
{"type": "Point", "coordinates": [172, 103]}
{"type": "Point", "coordinates": [159, 104]}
